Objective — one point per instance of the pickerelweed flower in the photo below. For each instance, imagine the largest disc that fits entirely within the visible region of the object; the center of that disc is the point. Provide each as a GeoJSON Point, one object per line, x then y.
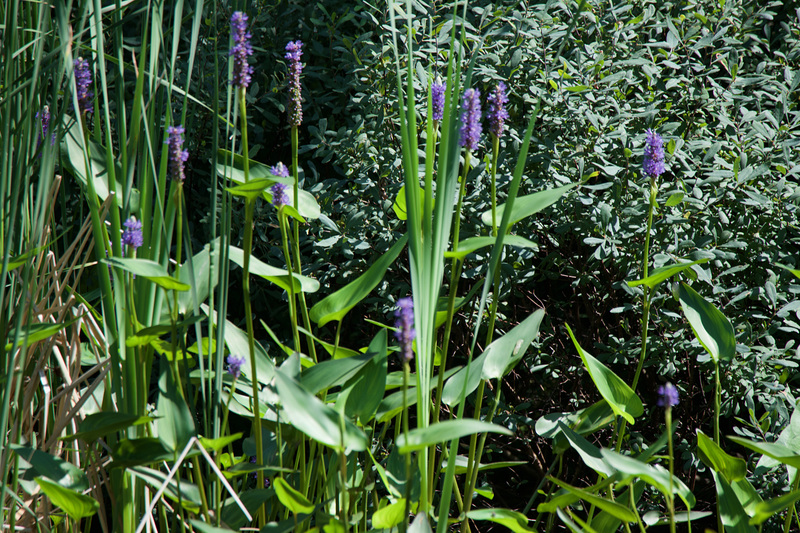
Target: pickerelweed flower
{"type": "Point", "coordinates": [44, 117]}
{"type": "Point", "coordinates": [132, 234]}
{"type": "Point", "coordinates": [667, 395]}
{"type": "Point", "coordinates": [280, 170]}
{"type": "Point", "coordinates": [497, 109]}
{"type": "Point", "coordinates": [177, 155]}
{"type": "Point", "coordinates": [83, 80]}
{"type": "Point", "coordinates": [279, 197]}
{"type": "Point", "coordinates": [242, 72]}
{"type": "Point", "coordinates": [293, 52]}
{"type": "Point", "coordinates": [471, 119]}
{"type": "Point", "coordinates": [653, 164]}
{"type": "Point", "coordinates": [437, 99]}
{"type": "Point", "coordinates": [405, 326]}
{"type": "Point", "coordinates": [235, 364]}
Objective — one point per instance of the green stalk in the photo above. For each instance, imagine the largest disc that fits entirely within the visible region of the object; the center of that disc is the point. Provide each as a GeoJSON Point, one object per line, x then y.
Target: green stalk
{"type": "Point", "coordinates": [717, 393]}
{"type": "Point", "coordinates": [292, 301]}
{"type": "Point", "coordinates": [407, 495]}
{"type": "Point", "coordinates": [671, 497]}
{"type": "Point", "coordinates": [247, 246]}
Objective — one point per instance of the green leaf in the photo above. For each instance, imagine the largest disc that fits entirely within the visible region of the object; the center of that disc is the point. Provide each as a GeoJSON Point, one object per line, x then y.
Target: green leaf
{"type": "Point", "coordinates": [104, 423]}
{"type": "Point", "coordinates": [766, 509]}
{"type": "Point", "coordinates": [252, 499]}
{"type": "Point", "coordinates": [136, 452]}
{"type": "Point", "coordinates": [420, 524]}
{"type": "Point", "coordinates": [389, 516]}
{"type": "Point", "coordinates": [37, 332]}
{"type": "Point", "coordinates": [278, 276]}
{"type": "Point", "coordinates": [184, 491]}
{"type": "Point", "coordinates": [657, 275]}
{"type": "Point", "coordinates": [622, 399]}
{"type": "Point", "coordinates": [338, 304]}
{"type": "Point", "coordinates": [149, 270]}
{"type": "Point", "coordinates": [496, 360]}
{"type": "Point", "coordinates": [794, 271]}
{"type": "Point", "coordinates": [75, 504]}
{"type": "Point", "coordinates": [710, 326]}
{"type": "Point", "coordinates": [202, 277]}
{"type": "Point", "coordinates": [584, 422]}
{"type": "Point", "coordinates": [422, 437]}
{"type": "Point", "coordinates": [217, 444]}
{"type": "Point", "coordinates": [462, 463]}
{"type": "Point", "coordinates": [333, 372]}
{"type": "Point", "coordinates": [732, 514]}
{"type": "Point", "coordinates": [589, 452]}
{"type": "Point", "coordinates": [175, 425]}
{"type": "Point", "coordinates": [399, 205]}
{"type": "Point", "coordinates": [203, 527]}
{"type": "Point", "coordinates": [56, 470]}
{"type": "Point", "coordinates": [513, 520]}
{"type": "Point", "coordinates": [525, 206]}
{"type": "Point", "coordinates": [674, 199]}
{"type": "Point", "coordinates": [307, 413]}
{"type": "Point", "coordinates": [467, 246]}
{"type": "Point", "coordinates": [291, 498]}
{"type": "Point", "coordinates": [779, 452]}
{"type": "Point", "coordinates": [656, 476]}
{"type": "Point", "coordinates": [731, 468]}
{"type": "Point", "coordinates": [370, 382]}
{"type": "Point", "coordinates": [613, 508]}
{"type": "Point", "coordinates": [251, 189]}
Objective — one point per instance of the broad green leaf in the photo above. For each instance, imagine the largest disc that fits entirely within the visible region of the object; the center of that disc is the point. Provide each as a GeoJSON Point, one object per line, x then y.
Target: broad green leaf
{"type": "Point", "coordinates": [422, 437]}
{"type": "Point", "coordinates": [148, 335]}
{"type": "Point", "coordinates": [333, 372]}
{"type": "Point", "coordinates": [149, 270]}
{"type": "Point", "coordinates": [525, 206]}
{"type": "Point", "coordinates": [789, 437]}
{"type": "Point", "coordinates": [143, 451]}
{"type": "Point", "coordinates": [252, 500]}
{"type": "Point", "coordinates": [513, 520]}
{"type": "Point", "coordinates": [496, 360]}
{"type": "Point", "coordinates": [589, 452]}
{"type": "Point", "coordinates": [731, 468]}
{"type": "Point", "coordinates": [653, 518]}
{"type": "Point", "coordinates": [580, 527]}
{"type": "Point", "coordinates": [392, 404]}
{"type": "Point", "coordinates": [583, 422]}
{"type": "Point", "coordinates": [278, 276]}
{"type": "Point", "coordinates": [613, 508]}
{"type": "Point", "coordinates": [389, 516]}
{"type": "Point", "coordinates": [733, 516]}
{"type": "Point", "coordinates": [622, 399]}
{"type": "Point", "coordinates": [37, 332]}
{"type": "Point", "coordinates": [319, 421]}
{"type": "Point", "coordinates": [338, 304]}
{"type": "Point", "coordinates": [399, 205]}
{"type": "Point", "coordinates": [175, 425]}
{"type": "Point", "coordinates": [251, 189]}
{"type": "Point", "coordinates": [53, 468]}
{"type": "Point", "coordinates": [710, 326]}
{"type": "Point", "coordinates": [291, 498]}
{"type": "Point", "coordinates": [202, 277]}
{"type": "Point", "coordinates": [104, 423]}
{"type": "Point", "coordinates": [217, 444]}
{"type": "Point", "coordinates": [657, 275]}
{"type": "Point", "coordinates": [75, 504]}
{"type": "Point", "coordinates": [369, 388]}
{"type": "Point", "coordinates": [467, 246]}
{"type": "Point", "coordinates": [204, 527]}
{"type": "Point", "coordinates": [184, 491]}
{"type": "Point", "coordinates": [674, 199]}
{"type": "Point", "coordinates": [420, 524]}
{"type": "Point", "coordinates": [794, 271]}
{"type": "Point", "coordinates": [765, 509]}
{"type": "Point", "coordinates": [656, 475]}
{"type": "Point", "coordinates": [779, 452]}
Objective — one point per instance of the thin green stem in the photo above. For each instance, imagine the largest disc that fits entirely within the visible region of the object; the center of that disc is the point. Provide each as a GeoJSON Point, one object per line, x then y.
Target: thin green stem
{"type": "Point", "coordinates": [287, 256]}
{"type": "Point", "coordinates": [671, 496]}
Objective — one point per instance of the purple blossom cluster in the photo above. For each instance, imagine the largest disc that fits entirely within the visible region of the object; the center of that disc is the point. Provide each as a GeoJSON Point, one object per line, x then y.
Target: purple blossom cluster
{"type": "Point", "coordinates": [177, 155]}
{"type": "Point", "coordinates": [280, 170]}
{"type": "Point", "coordinates": [235, 364]}
{"type": "Point", "coordinates": [405, 326]}
{"type": "Point", "coordinates": [43, 117]}
{"type": "Point", "coordinates": [83, 80]}
{"type": "Point", "coordinates": [437, 99]}
{"type": "Point", "coordinates": [667, 395]}
{"type": "Point", "coordinates": [497, 109]}
{"type": "Point", "coordinates": [471, 119]}
{"type": "Point", "coordinates": [294, 50]}
{"type": "Point", "coordinates": [653, 164]}
{"type": "Point", "coordinates": [132, 234]}
{"type": "Point", "coordinates": [242, 71]}
{"type": "Point", "coordinates": [279, 198]}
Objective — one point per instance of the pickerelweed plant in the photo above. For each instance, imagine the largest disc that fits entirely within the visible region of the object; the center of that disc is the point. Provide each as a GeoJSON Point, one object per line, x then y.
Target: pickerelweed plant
{"type": "Point", "coordinates": [128, 387]}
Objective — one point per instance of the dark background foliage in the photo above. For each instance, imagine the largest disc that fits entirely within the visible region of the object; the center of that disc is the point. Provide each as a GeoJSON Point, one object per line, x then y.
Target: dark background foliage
{"type": "Point", "coordinates": [718, 80]}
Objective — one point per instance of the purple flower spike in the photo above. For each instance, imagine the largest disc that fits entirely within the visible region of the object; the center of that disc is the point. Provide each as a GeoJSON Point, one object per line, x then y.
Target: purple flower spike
{"type": "Point", "coordinates": [437, 99]}
{"type": "Point", "coordinates": [279, 198]}
{"type": "Point", "coordinates": [653, 164]}
{"type": "Point", "coordinates": [497, 109]}
{"type": "Point", "coordinates": [667, 395]}
{"type": "Point", "coordinates": [242, 72]}
{"type": "Point", "coordinates": [83, 80]}
{"type": "Point", "coordinates": [405, 326]}
{"type": "Point", "coordinates": [471, 119]}
{"type": "Point", "coordinates": [177, 155]}
{"type": "Point", "coordinates": [132, 235]}
{"type": "Point", "coordinates": [280, 170]}
{"type": "Point", "coordinates": [235, 364]}
{"type": "Point", "coordinates": [293, 52]}
{"type": "Point", "coordinates": [44, 117]}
